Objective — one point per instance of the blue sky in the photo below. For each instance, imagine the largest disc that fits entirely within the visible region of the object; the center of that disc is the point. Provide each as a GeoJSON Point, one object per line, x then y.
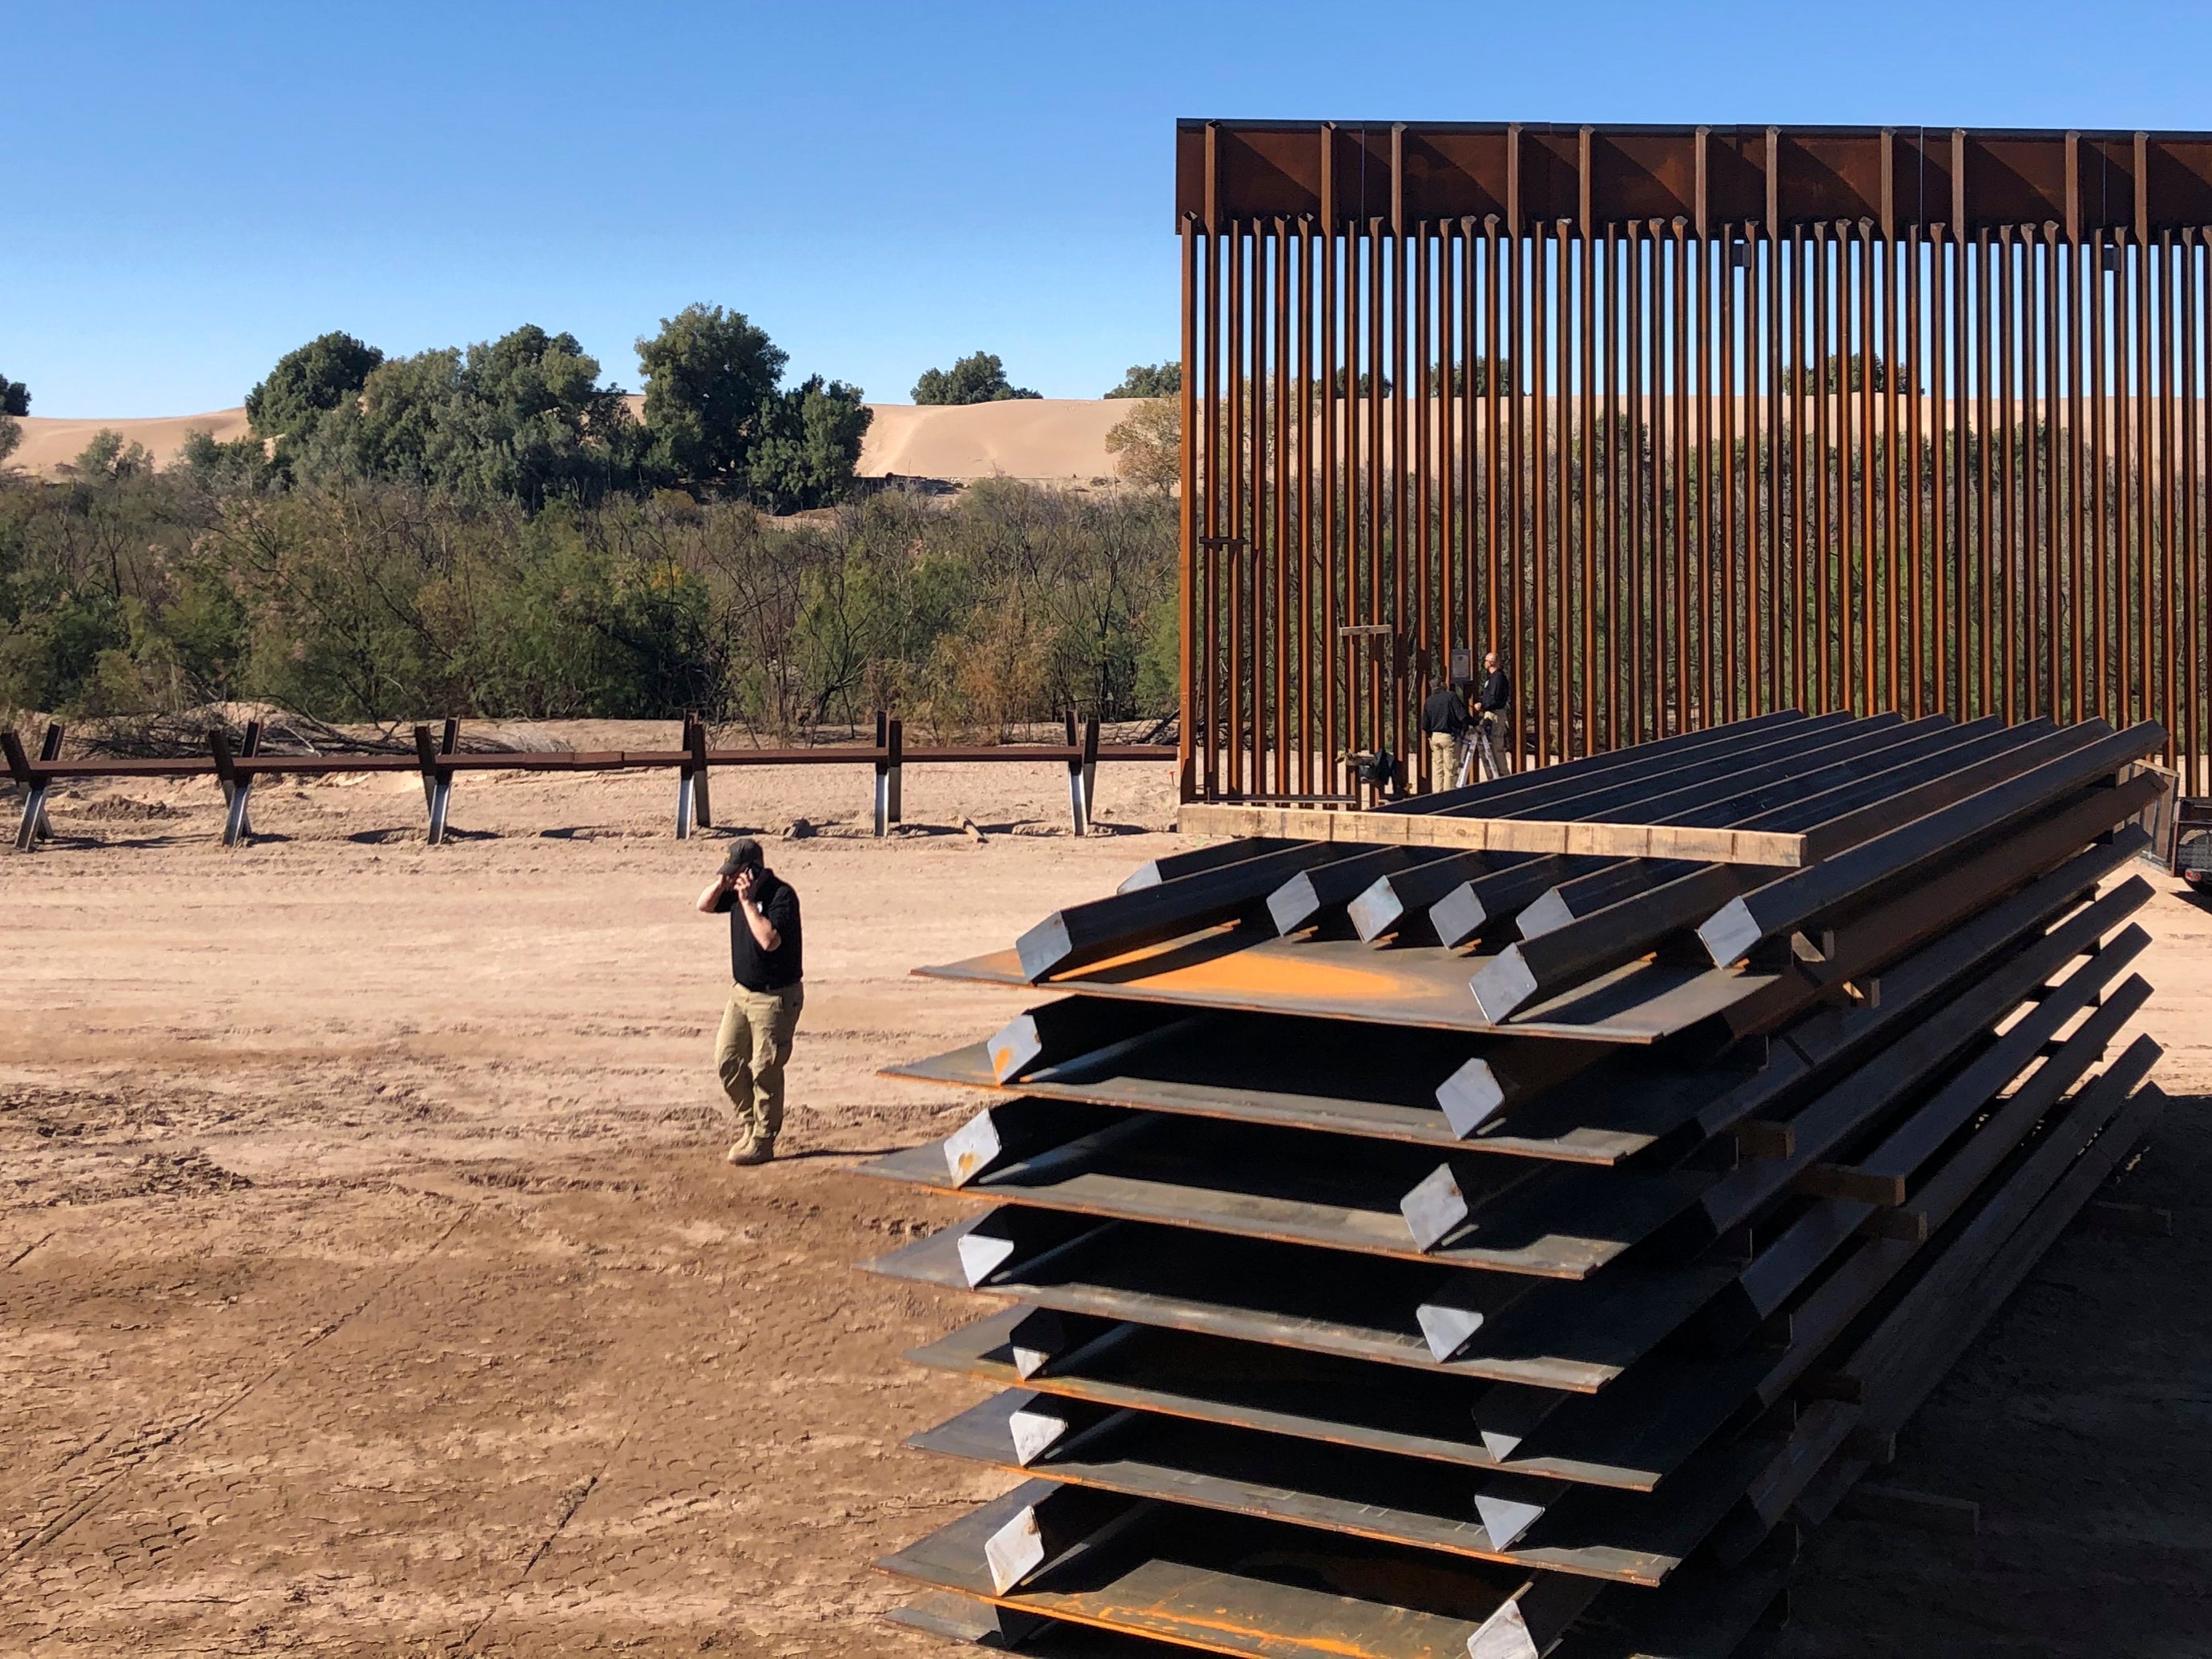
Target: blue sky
{"type": "Point", "coordinates": [192, 189]}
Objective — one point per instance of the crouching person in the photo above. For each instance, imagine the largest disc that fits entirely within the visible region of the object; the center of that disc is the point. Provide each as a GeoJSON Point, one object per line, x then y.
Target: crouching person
{"type": "Point", "coordinates": [765, 994]}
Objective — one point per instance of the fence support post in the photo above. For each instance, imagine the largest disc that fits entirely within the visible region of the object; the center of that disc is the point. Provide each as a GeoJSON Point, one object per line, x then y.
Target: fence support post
{"type": "Point", "coordinates": [1082, 771]}
{"type": "Point", "coordinates": [685, 799]}
{"type": "Point", "coordinates": [703, 806]}
{"type": "Point", "coordinates": [237, 787]}
{"type": "Point", "coordinates": [50, 749]}
{"type": "Point", "coordinates": [890, 748]}
{"type": "Point", "coordinates": [898, 769]}
{"type": "Point", "coordinates": [248, 752]}
{"type": "Point", "coordinates": [35, 785]}
{"type": "Point", "coordinates": [437, 780]}
{"type": "Point", "coordinates": [226, 777]}
{"type": "Point", "coordinates": [1090, 769]}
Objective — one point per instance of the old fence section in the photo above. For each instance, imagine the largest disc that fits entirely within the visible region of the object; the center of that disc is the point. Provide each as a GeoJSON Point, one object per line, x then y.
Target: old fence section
{"type": "Point", "coordinates": [440, 759]}
{"type": "Point", "coordinates": [1691, 424]}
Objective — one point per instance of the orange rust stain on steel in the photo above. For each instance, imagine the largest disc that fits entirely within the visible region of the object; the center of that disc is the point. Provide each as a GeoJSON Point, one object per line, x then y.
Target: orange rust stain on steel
{"type": "Point", "coordinates": [1307, 1642]}
{"type": "Point", "coordinates": [1250, 971]}
{"type": "Point", "coordinates": [1093, 970]}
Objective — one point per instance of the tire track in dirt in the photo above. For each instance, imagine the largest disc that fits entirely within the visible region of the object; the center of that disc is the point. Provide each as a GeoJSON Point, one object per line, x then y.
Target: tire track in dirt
{"type": "Point", "coordinates": [572, 1500]}
{"type": "Point", "coordinates": [640, 1403]}
{"type": "Point", "coordinates": [136, 1456]}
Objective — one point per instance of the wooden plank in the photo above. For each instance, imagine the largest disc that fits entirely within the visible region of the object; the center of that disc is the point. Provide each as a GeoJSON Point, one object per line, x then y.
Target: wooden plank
{"type": "Point", "coordinates": [1773, 847]}
{"type": "Point", "coordinates": [1403, 902]}
{"type": "Point", "coordinates": [1858, 1102]}
{"type": "Point", "coordinates": [1594, 923]}
{"type": "Point", "coordinates": [1949, 924]}
{"type": "Point", "coordinates": [1635, 767]}
{"type": "Point", "coordinates": [1925, 1333]}
{"type": "Point", "coordinates": [1781, 1270]}
{"type": "Point", "coordinates": [1936, 1320]}
{"type": "Point", "coordinates": [1969, 1091]}
{"type": "Point", "coordinates": [1662, 792]}
{"type": "Point", "coordinates": [1872, 868]}
{"type": "Point", "coordinates": [1793, 792]}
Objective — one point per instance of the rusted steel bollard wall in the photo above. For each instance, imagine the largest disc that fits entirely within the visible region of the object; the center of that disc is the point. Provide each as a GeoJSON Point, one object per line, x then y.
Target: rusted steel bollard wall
{"type": "Point", "coordinates": [1689, 424]}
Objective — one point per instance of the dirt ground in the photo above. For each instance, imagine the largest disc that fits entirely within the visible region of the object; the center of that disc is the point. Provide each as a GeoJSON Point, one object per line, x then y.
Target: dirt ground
{"type": "Point", "coordinates": [371, 1283]}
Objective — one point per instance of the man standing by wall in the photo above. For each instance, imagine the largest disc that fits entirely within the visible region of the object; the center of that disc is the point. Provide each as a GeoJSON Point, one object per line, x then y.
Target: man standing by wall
{"type": "Point", "coordinates": [1445, 722]}
{"type": "Point", "coordinates": [766, 993]}
{"type": "Point", "coordinates": [1490, 722]}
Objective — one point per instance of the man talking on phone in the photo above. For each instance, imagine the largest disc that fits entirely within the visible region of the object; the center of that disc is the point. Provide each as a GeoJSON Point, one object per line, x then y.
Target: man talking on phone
{"type": "Point", "coordinates": [765, 993]}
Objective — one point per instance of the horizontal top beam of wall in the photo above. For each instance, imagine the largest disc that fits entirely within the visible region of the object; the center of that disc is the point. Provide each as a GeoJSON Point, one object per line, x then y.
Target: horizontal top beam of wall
{"type": "Point", "coordinates": [2075, 185]}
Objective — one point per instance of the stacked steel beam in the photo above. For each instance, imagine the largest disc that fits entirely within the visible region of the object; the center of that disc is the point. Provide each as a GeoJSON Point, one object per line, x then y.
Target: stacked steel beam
{"type": "Point", "coordinates": [1411, 1252]}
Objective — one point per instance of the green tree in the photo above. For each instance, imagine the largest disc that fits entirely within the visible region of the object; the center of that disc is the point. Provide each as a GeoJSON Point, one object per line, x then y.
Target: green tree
{"type": "Point", "coordinates": [241, 464]}
{"type": "Point", "coordinates": [14, 400]}
{"type": "Point", "coordinates": [520, 418]}
{"type": "Point", "coordinates": [51, 654]}
{"type": "Point", "coordinates": [978, 377]}
{"type": "Point", "coordinates": [107, 456]}
{"type": "Point", "coordinates": [809, 445]}
{"type": "Point", "coordinates": [1147, 444]}
{"type": "Point", "coordinates": [1840, 371]}
{"type": "Point", "coordinates": [710, 376]}
{"type": "Point", "coordinates": [399, 427]}
{"type": "Point", "coordinates": [532, 421]}
{"type": "Point", "coordinates": [1150, 380]}
{"type": "Point", "coordinates": [308, 384]}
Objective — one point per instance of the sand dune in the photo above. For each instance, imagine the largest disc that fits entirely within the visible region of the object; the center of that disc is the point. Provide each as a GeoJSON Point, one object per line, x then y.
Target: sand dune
{"type": "Point", "coordinates": [1023, 438]}
{"type": "Point", "coordinates": [1044, 437]}
{"type": "Point", "coordinates": [50, 444]}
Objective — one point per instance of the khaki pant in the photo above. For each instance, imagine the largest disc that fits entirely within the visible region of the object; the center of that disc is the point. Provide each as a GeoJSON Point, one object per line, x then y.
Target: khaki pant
{"type": "Point", "coordinates": [1444, 761]}
{"type": "Point", "coordinates": [749, 1052]}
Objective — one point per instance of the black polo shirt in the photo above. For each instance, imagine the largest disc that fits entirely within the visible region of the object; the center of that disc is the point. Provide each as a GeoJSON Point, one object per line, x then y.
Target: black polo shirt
{"type": "Point", "coordinates": [751, 966]}
{"type": "Point", "coordinates": [1444, 713]}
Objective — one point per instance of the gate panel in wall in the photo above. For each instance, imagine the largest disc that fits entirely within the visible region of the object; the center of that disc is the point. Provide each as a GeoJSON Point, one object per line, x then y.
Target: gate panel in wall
{"type": "Point", "coordinates": [1689, 424]}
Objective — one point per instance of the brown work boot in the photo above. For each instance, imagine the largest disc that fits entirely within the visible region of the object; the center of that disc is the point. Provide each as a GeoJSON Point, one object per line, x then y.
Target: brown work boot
{"type": "Point", "coordinates": [751, 1149]}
